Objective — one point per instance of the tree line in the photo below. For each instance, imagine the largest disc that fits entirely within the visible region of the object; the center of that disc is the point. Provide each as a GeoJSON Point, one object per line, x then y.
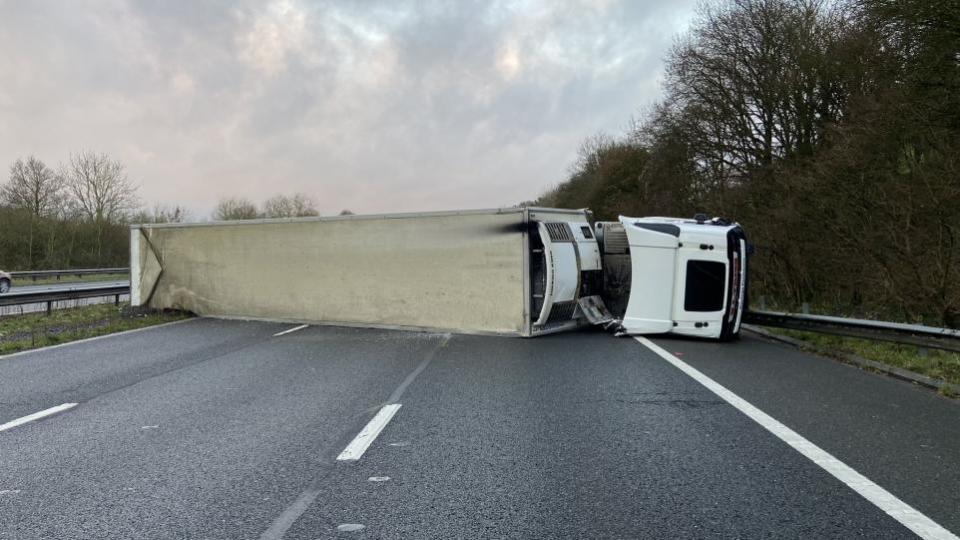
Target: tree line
{"type": "Point", "coordinates": [77, 215]}
{"type": "Point", "coordinates": [829, 130]}
{"type": "Point", "coordinates": [66, 217]}
{"type": "Point", "coordinates": [279, 206]}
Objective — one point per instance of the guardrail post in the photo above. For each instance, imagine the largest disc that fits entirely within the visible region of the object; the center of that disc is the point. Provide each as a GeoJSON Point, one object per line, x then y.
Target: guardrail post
{"type": "Point", "coordinates": [805, 308]}
{"type": "Point", "coordinates": [49, 307]}
{"type": "Point", "coordinates": [116, 300]}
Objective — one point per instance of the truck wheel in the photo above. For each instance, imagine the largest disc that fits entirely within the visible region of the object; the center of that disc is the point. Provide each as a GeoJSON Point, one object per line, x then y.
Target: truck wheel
{"type": "Point", "coordinates": [4, 285]}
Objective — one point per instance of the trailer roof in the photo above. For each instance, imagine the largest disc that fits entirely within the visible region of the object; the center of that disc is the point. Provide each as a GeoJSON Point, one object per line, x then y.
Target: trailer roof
{"type": "Point", "coordinates": [399, 215]}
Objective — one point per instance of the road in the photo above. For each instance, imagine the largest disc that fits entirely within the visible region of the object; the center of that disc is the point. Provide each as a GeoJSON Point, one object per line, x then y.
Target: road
{"type": "Point", "coordinates": [224, 429]}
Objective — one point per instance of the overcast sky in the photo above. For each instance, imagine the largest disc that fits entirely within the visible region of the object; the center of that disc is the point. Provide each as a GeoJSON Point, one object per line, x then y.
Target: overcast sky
{"type": "Point", "coordinates": [373, 106]}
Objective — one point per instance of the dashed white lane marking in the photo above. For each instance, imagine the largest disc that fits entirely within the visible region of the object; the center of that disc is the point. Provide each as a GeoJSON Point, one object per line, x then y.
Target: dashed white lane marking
{"type": "Point", "coordinates": [36, 416]}
{"type": "Point", "coordinates": [291, 330]}
{"type": "Point", "coordinates": [365, 438]}
{"type": "Point", "coordinates": [351, 527]}
{"type": "Point", "coordinates": [290, 515]}
{"type": "Point", "coordinates": [293, 512]}
{"type": "Point", "coordinates": [912, 519]}
{"type": "Point", "coordinates": [378, 479]}
{"type": "Point", "coordinates": [369, 433]}
{"type": "Point", "coordinates": [9, 491]}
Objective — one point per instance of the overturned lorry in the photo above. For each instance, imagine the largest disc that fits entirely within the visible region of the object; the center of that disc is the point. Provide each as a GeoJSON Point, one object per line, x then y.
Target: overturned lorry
{"type": "Point", "coordinates": [515, 271]}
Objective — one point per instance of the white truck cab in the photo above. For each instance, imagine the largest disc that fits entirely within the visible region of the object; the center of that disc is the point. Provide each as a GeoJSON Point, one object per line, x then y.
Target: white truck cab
{"type": "Point", "coordinates": [687, 276]}
{"type": "Point", "coordinates": [658, 275]}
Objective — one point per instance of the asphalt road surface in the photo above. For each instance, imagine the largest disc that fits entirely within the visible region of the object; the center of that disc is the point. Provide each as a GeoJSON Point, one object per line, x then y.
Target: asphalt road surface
{"type": "Point", "coordinates": [223, 429]}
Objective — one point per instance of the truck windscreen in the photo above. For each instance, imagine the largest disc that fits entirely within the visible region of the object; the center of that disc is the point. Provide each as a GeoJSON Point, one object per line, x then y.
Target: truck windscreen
{"type": "Point", "coordinates": [705, 286]}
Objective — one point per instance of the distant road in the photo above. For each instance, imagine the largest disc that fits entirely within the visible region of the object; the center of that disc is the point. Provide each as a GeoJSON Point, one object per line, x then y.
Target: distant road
{"type": "Point", "coordinates": [76, 285]}
{"type": "Point", "coordinates": [231, 429]}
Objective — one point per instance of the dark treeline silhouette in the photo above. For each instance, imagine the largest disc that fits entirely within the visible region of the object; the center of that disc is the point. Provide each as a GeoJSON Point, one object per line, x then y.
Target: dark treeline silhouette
{"type": "Point", "coordinates": [278, 206]}
{"type": "Point", "coordinates": [831, 131]}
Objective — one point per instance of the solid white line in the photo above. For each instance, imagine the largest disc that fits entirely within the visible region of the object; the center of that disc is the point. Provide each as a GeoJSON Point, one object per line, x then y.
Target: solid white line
{"type": "Point", "coordinates": [912, 519]}
{"type": "Point", "coordinates": [291, 330]}
{"type": "Point", "coordinates": [36, 416]}
{"type": "Point", "coordinates": [365, 438]}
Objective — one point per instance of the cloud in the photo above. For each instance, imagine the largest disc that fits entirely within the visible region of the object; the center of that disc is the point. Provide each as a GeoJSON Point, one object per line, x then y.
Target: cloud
{"type": "Point", "coordinates": [280, 30]}
{"type": "Point", "coordinates": [371, 105]}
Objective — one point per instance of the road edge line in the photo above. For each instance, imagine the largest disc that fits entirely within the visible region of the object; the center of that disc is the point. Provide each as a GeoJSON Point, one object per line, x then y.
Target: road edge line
{"type": "Point", "coordinates": [905, 514]}
{"type": "Point", "coordinates": [36, 416]}
{"type": "Point", "coordinates": [97, 338]}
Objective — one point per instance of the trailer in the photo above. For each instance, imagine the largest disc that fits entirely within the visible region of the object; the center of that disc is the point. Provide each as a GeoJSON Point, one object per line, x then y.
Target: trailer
{"type": "Point", "coordinates": [506, 271]}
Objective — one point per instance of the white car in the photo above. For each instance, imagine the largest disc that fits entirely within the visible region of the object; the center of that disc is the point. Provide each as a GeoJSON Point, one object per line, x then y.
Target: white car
{"type": "Point", "coordinates": [5, 281]}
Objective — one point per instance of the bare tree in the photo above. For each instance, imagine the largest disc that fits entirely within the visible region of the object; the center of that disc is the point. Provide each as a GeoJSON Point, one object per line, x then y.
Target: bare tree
{"type": "Point", "coordinates": [101, 190]}
{"type": "Point", "coordinates": [234, 208]}
{"type": "Point", "coordinates": [590, 150]}
{"type": "Point", "coordinates": [298, 205]}
{"type": "Point", "coordinates": [100, 187]}
{"type": "Point", "coordinates": [36, 188]}
{"type": "Point", "coordinates": [756, 84]}
{"type": "Point", "coordinates": [33, 186]}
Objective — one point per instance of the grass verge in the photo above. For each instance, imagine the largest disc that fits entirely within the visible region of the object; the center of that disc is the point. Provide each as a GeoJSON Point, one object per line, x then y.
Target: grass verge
{"type": "Point", "coordinates": [942, 365]}
{"type": "Point", "coordinates": [31, 331]}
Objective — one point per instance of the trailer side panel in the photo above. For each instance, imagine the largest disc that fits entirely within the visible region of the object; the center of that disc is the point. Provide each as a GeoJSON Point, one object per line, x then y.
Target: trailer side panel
{"type": "Point", "coordinates": [450, 271]}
